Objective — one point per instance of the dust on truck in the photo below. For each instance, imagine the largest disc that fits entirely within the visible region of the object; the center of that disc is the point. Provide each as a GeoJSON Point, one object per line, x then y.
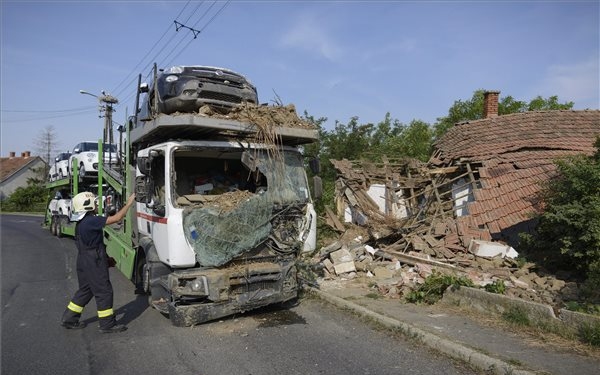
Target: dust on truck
{"type": "Point", "coordinates": [223, 203]}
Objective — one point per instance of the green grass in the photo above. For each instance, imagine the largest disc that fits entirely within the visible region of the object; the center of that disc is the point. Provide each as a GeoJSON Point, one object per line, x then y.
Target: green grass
{"type": "Point", "coordinates": [590, 334]}
{"type": "Point", "coordinates": [517, 316]}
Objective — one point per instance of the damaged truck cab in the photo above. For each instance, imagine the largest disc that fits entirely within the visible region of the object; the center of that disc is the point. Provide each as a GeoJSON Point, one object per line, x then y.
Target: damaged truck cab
{"type": "Point", "coordinates": [223, 208]}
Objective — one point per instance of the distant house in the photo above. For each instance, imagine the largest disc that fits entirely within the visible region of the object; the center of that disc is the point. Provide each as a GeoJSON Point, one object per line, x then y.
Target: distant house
{"type": "Point", "coordinates": [509, 158]}
{"type": "Point", "coordinates": [15, 171]}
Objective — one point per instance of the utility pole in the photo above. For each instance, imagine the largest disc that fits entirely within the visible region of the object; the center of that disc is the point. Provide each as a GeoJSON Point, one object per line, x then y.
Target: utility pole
{"type": "Point", "coordinates": [106, 105]}
{"type": "Point", "coordinates": [108, 101]}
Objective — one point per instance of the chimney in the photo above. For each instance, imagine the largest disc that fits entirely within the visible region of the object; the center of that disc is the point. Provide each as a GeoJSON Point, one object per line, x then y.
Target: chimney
{"type": "Point", "coordinates": [27, 154]}
{"type": "Point", "coordinates": [490, 104]}
{"type": "Point", "coordinates": [11, 154]}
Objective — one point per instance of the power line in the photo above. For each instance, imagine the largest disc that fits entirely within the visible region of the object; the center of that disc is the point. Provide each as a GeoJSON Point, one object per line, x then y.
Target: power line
{"type": "Point", "coordinates": [46, 111]}
{"type": "Point", "coordinates": [131, 77]}
{"type": "Point", "coordinates": [134, 70]}
{"type": "Point", "coordinates": [162, 43]}
{"type": "Point", "coordinates": [72, 113]}
{"type": "Point", "coordinates": [202, 29]}
{"type": "Point", "coordinates": [176, 46]}
{"type": "Point", "coordinates": [161, 61]}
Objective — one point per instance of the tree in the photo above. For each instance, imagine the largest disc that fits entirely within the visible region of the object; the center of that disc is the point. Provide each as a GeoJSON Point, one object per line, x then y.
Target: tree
{"type": "Point", "coordinates": [568, 233]}
{"type": "Point", "coordinates": [472, 109]}
{"type": "Point", "coordinates": [46, 145]}
{"type": "Point", "coordinates": [412, 141]}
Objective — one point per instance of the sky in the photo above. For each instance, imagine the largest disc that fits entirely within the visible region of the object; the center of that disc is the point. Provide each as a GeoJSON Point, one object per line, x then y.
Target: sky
{"type": "Point", "coordinates": [332, 59]}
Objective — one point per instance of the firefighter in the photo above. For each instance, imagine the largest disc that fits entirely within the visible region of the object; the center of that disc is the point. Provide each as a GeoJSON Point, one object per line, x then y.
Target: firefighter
{"type": "Point", "coordinates": [93, 264]}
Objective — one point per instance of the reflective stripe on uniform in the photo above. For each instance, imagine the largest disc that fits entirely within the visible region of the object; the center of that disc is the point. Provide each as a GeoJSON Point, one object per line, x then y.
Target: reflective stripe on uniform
{"type": "Point", "coordinates": [105, 313]}
{"type": "Point", "coordinates": [75, 308]}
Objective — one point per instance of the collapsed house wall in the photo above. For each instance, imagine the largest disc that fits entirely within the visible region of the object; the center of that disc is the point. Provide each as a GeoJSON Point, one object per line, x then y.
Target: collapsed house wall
{"type": "Point", "coordinates": [481, 184]}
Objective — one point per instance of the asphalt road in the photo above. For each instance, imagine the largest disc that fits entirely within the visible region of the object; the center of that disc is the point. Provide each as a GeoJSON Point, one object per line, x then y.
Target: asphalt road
{"type": "Point", "coordinates": [308, 337]}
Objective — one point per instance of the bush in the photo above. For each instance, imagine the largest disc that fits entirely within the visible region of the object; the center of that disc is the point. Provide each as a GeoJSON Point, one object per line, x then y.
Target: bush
{"type": "Point", "coordinates": [26, 199]}
{"type": "Point", "coordinates": [568, 232]}
{"type": "Point", "coordinates": [497, 287]}
{"type": "Point", "coordinates": [434, 287]}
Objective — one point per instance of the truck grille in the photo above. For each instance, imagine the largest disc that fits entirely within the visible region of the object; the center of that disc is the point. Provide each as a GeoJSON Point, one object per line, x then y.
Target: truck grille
{"type": "Point", "coordinates": [253, 287]}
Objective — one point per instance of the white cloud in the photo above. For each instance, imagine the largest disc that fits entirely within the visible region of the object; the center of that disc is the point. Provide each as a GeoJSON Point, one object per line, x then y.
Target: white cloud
{"type": "Point", "coordinates": [309, 35]}
{"type": "Point", "coordinates": [578, 82]}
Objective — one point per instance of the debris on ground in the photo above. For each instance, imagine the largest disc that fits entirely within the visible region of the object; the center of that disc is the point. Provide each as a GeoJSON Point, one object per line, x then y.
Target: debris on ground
{"type": "Point", "coordinates": [411, 214]}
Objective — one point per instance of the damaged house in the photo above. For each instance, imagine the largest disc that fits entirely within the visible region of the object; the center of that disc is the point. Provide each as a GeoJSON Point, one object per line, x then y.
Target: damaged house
{"type": "Point", "coordinates": [479, 189]}
{"type": "Point", "coordinates": [508, 158]}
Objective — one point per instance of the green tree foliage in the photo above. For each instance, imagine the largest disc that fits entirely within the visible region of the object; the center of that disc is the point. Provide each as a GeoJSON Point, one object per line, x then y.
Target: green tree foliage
{"type": "Point", "coordinates": [314, 151]}
{"type": "Point", "coordinates": [568, 233]}
{"type": "Point", "coordinates": [472, 109]}
{"type": "Point", "coordinates": [31, 198]}
{"type": "Point", "coordinates": [412, 141]}
{"type": "Point", "coordinates": [356, 141]}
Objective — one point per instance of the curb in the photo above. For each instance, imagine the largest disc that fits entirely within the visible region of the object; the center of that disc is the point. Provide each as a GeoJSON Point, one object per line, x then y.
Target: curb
{"type": "Point", "coordinates": [454, 350]}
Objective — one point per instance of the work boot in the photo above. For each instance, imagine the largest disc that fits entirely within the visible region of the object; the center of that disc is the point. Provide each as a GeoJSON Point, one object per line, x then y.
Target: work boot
{"type": "Point", "coordinates": [73, 325]}
{"type": "Point", "coordinates": [114, 329]}
{"type": "Point", "coordinates": [70, 320]}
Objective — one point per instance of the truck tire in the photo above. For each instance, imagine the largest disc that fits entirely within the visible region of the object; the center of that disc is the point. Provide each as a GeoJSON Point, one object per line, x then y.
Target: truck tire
{"type": "Point", "coordinates": [59, 224]}
{"type": "Point", "coordinates": [140, 278]}
{"type": "Point", "coordinates": [157, 298]}
{"type": "Point", "coordinates": [53, 225]}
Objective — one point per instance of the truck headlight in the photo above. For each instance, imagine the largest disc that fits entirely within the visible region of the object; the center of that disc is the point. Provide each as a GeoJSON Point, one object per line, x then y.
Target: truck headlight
{"type": "Point", "coordinates": [199, 284]}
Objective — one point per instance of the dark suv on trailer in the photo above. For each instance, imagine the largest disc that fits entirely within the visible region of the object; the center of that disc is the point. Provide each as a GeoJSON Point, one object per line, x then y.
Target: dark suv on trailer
{"type": "Point", "coordinates": [187, 88]}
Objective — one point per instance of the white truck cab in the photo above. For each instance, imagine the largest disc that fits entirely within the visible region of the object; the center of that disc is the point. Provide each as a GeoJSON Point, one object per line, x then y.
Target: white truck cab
{"type": "Point", "coordinates": [209, 201]}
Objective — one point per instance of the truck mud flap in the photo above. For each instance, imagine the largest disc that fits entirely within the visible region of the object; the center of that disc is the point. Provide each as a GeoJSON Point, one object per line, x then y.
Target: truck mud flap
{"type": "Point", "coordinates": [189, 315]}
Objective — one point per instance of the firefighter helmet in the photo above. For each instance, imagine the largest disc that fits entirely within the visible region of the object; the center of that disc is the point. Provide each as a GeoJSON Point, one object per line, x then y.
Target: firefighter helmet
{"type": "Point", "coordinates": [82, 203]}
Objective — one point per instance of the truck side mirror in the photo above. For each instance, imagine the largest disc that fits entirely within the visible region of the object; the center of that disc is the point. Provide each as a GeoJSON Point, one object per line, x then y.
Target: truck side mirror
{"type": "Point", "coordinates": [143, 189]}
{"type": "Point", "coordinates": [315, 165]}
{"type": "Point", "coordinates": [144, 165]}
{"type": "Point", "coordinates": [317, 187]}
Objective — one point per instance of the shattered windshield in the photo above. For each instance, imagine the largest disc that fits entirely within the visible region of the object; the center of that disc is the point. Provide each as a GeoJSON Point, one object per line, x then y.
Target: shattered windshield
{"type": "Point", "coordinates": [200, 175]}
{"type": "Point", "coordinates": [230, 197]}
{"type": "Point", "coordinates": [285, 176]}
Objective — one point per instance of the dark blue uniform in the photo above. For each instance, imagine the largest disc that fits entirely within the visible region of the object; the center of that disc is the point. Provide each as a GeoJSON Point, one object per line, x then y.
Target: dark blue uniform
{"type": "Point", "coordinates": [92, 273]}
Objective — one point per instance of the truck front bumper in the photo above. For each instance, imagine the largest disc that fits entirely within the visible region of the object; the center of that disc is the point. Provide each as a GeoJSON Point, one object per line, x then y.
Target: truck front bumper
{"type": "Point", "coordinates": [222, 292]}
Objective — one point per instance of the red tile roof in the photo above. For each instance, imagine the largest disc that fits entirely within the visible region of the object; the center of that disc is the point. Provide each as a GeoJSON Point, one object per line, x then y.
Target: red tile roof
{"type": "Point", "coordinates": [515, 154]}
{"type": "Point", "coordinates": [11, 165]}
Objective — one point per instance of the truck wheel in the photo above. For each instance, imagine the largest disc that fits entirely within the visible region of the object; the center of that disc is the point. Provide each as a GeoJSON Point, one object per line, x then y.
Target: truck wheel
{"type": "Point", "coordinates": [140, 277]}
{"type": "Point", "coordinates": [53, 225]}
{"type": "Point", "coordinates": [157, 298]}
{"type": "Point", "coordinates": [59, 227]}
